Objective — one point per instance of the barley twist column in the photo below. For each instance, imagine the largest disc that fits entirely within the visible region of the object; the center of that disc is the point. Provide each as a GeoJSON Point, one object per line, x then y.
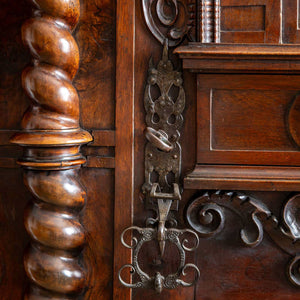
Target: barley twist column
{"type": "Point", "coordinates": [51, 139]}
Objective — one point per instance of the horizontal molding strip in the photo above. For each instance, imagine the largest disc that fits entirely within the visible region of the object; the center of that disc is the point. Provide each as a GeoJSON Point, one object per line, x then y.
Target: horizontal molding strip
{"type": "Point", "coordinates": [102, 138]}
{"type": "Point", "coordinates": [100, 162]}
{"type": "Point", "coordinates": [238, 177]}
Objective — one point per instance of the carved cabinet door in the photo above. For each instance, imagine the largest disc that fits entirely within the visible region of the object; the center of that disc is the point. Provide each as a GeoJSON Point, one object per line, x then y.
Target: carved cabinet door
{"type": "Point", "coordinates": [149, 149]}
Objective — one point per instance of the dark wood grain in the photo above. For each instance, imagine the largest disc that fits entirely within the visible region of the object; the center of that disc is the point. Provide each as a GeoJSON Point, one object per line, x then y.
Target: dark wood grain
{"type": "Point", "coordinates": [106, 98]}
{"type": "Point", "coordinates": [95, 80]}
{"type": "Point", "coordinates": [124, 172]}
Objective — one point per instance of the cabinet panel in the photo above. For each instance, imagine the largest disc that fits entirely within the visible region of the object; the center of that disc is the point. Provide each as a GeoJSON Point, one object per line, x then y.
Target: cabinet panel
{"type": "Point", "coordinates": [243, 119]}
{"type": "Point", "coordinates": [250, 119]}
{"type": "Point", "coordinates": [290, 21]}
{"type": "Point", "coordinates": [256, 21]}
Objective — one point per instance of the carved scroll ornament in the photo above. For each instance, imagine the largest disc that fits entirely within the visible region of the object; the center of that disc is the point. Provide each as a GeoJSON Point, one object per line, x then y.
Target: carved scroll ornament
{"type": "Point", "coordinates": [175, 19]}
{"type": "Point", "coordinates": [51, 138]}
{"type": "Point", "coordinates": [170, 19]}
{"type": "Point", "coordinates": [206, 215]}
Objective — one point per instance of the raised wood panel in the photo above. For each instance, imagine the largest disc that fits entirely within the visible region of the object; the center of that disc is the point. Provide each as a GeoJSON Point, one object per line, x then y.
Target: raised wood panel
{"type": "Point", "coordinates": [290, 21]}
{"type": "Point", "coordinates": [242, 119]}
{"type": "Point", "coordinates": [256, 21]}
{"type": "Point", "coordinates": [243, 18]}
{"type": "Point", "coordinates": [257, 115]}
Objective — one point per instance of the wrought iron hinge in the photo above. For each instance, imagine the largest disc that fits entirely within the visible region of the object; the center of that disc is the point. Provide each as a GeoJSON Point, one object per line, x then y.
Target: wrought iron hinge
{"type": "Point", "coordinates": [162, 173]}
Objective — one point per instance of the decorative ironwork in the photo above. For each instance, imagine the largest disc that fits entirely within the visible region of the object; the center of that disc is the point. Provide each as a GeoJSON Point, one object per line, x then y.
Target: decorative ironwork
{"type": "Point", "coordinates": [162, 192]}
{"type": "Point", "coordinates": [170, 19]}
{"type": "Point", "coordinates": [158, 282]}
{"type": "Point", "coordinates": [164, 119]}
{"type": "Point", "coordinates": [206, 215]}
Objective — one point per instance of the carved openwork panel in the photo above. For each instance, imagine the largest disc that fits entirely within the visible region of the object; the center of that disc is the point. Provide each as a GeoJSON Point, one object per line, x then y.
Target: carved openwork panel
{"type": "Point", "coordinates": [206, 214]}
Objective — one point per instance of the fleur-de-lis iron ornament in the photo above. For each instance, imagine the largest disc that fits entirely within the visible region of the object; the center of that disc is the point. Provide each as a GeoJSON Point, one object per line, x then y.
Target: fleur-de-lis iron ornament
{"type": "Point", "coordinates": [163, 157]}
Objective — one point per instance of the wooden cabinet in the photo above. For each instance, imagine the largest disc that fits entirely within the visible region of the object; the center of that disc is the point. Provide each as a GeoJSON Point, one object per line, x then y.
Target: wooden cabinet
{"type": "Point", "coordinates": [195, 137]}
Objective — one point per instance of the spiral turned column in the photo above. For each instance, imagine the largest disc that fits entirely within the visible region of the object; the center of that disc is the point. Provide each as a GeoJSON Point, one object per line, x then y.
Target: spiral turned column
{"type": "Point", "coordinates": [51, 139]}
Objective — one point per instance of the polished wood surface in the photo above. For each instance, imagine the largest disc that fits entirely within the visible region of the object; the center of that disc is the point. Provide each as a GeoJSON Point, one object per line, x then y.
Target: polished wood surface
{"type": "Point", "coordinates": [59, 195]}
{"type": "Point", "coordinates": [85, 70]}
{"type": "Point", "coordinates": [125, 96]}
{"type": "Point", "coordinates": [51, 139]}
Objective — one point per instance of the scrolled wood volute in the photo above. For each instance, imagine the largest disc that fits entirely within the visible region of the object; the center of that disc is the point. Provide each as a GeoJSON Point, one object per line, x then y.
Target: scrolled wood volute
{"type": "Point", "coordinates": [51, 139]}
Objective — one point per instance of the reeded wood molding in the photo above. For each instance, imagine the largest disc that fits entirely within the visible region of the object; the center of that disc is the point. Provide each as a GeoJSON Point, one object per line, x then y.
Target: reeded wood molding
{"type": "Point", "coordinates": [51, 139]}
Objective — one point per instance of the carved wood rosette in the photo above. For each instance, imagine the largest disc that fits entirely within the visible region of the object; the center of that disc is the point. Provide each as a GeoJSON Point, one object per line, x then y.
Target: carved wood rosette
{"type": "Point", "coordinates": [51, 139]}
{"type": "Point", "coordinates": [205, 214]}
